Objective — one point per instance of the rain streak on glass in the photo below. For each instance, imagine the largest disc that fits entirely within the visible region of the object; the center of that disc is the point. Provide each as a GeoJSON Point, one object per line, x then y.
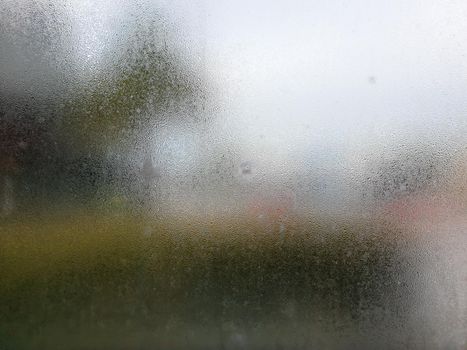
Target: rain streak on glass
{"type": "Point", "coordinates": [233, 174]}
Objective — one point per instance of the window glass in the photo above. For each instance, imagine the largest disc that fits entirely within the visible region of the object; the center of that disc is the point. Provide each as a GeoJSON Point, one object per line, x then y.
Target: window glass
{"type": "Point", "coordinates": [233, 174]}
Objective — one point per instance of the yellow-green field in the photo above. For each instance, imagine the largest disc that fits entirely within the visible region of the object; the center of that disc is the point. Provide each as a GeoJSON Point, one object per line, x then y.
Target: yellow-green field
{"type": "Point", "coordinates": [100, 281]}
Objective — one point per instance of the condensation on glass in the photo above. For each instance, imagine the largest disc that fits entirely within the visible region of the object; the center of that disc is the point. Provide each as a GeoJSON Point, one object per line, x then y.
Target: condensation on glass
{"type": "Point", "coordinates": [233, 174]}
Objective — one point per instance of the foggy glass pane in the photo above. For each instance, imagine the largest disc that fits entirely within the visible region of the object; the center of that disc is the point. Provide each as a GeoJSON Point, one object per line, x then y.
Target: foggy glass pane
{"type": "Point", "coordinates": [233, 174]}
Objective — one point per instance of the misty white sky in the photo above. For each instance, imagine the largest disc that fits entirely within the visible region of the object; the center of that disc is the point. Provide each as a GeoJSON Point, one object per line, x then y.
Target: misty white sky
{"type": "Point", "coordinates": [345, 71]}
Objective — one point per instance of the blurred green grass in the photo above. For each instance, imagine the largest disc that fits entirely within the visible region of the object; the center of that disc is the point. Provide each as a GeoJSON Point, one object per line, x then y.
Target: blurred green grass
{"type": "Point", "coordinates": [94, 280]}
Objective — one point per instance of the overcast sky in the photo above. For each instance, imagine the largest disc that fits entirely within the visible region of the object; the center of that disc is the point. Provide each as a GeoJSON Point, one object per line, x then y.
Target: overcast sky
{"type": "Point", "coordinates": [342, 71]}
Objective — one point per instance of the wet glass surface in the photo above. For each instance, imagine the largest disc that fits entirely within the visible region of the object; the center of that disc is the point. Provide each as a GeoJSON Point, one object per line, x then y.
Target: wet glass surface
{"type": "Point", "coordinates": [233, 174]}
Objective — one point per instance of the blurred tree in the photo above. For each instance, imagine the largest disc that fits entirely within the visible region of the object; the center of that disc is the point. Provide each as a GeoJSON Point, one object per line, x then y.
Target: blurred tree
{"type": "Point", "coordinates": [56, 129]}
{"type": "Point", "coordinates": [408, 172]}
{"type": "Point", "coordinates": [33, 62]}
{"type": "Point", "coordinates": [148, 80]}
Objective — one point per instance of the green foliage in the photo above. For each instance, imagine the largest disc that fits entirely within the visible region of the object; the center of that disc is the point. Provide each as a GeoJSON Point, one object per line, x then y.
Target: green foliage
{"type": "Point", "coordinates": [147, 81]}
{"type": "Point", "coordinates": [96, 274]}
